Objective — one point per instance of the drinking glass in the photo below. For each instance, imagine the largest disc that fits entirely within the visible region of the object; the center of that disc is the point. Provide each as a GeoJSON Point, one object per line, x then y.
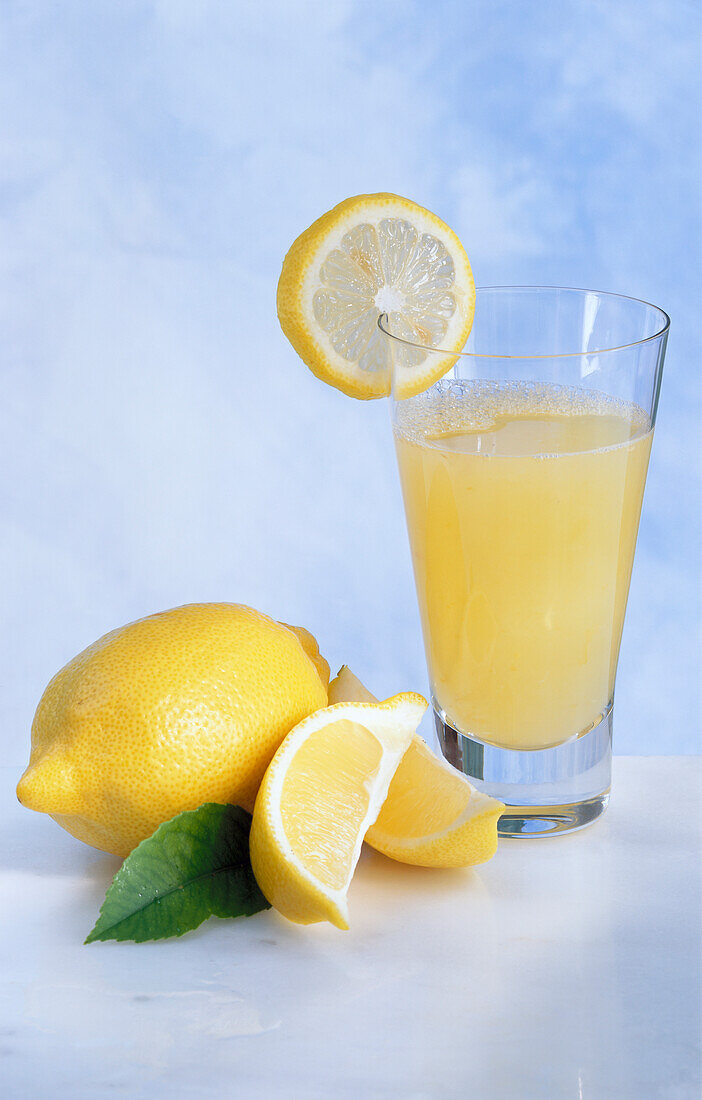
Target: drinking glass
{"type": "Point", "coordinates": [522, 473]}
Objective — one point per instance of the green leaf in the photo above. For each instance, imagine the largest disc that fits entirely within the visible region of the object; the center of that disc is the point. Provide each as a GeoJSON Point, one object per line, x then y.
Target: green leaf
{"type": "Point", "coordinates": [194, 866]}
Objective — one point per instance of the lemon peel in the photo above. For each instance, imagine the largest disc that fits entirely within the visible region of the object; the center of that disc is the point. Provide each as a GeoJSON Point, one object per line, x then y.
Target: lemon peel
{"type": "Point", "coordinates": [180, 708]}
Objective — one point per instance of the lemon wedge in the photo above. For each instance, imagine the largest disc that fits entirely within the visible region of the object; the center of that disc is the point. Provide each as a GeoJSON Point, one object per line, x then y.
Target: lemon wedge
{"type": "Point", "coordinates": [376, 254]}
{"type": "Point", "coordinates": [432, 816]}
{"type": "Point", "coordinates": [321, 793]}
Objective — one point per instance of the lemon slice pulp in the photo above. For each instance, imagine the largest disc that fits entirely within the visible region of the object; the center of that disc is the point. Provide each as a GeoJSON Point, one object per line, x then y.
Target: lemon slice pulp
{"type": "Point", "coordinates": [376, 254]}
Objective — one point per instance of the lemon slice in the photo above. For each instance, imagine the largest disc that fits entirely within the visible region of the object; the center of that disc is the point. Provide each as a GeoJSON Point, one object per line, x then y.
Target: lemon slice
{"type": "Point", "coordinates": [376, 254]}
{"type": "Point", "coordinates": [432, 816]}
{"type": "Point", "coordinates": [321, 792]}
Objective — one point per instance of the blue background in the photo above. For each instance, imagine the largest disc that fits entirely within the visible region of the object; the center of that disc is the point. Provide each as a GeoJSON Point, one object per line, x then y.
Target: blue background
{"type": "Point", "coordinates": [162, 442]}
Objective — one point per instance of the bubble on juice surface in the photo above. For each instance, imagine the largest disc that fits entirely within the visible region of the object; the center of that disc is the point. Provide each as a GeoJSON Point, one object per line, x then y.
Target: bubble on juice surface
{"type": "Point", "coordinates": [455, 406]}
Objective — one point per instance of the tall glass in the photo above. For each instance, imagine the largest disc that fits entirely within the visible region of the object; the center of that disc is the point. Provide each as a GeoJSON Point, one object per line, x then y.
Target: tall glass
{"type": "Point", "coordinates": [523, 474]}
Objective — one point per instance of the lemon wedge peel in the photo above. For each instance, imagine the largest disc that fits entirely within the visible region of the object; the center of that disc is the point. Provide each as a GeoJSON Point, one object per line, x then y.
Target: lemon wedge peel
{"type": "Point", "coordinates": [374, 254]}
{"type": "Point", "coordinates": [300, 885]}
{"type": "Point", "coordinates": [427, 791]}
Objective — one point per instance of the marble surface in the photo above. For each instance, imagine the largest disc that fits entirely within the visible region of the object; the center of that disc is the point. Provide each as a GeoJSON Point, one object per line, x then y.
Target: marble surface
{"type": "Point", "coordinates": [564, 968]}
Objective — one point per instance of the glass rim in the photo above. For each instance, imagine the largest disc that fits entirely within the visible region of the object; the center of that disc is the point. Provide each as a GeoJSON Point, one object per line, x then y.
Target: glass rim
{"type": "Point", "coordinates": [660, 332]}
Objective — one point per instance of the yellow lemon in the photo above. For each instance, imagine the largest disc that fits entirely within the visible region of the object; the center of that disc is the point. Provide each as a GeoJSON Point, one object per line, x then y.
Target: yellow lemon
{"type": "Point", "coordinates": [432, 816]}
{"type": "Point", "coordinates": [376, 254]}
{"type": "Point", "coordinates": [320, 794]}
{"type": "Point", "coordinates": [159, 716]}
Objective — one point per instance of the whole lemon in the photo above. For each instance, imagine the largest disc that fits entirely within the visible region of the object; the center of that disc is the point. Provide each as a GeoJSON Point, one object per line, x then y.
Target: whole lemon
{"type": "Point", "coordinates": [159, 716]}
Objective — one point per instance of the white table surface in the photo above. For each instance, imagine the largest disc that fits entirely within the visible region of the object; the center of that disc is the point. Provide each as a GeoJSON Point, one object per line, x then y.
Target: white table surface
{"type": "Point", "coordinates": [567, 967]}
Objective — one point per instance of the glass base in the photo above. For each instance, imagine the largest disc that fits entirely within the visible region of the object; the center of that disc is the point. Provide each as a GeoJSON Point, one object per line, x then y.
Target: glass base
{"type": "Point", "coordinates": [547, 792]}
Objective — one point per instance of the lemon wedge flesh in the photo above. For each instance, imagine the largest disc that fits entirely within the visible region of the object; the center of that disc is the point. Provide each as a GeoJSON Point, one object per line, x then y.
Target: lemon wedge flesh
{"type": "Point", "coordinates": [321, 793]}
{"type": "Point", "coordinates": [432, 816]}
{"type": "Point", "coordinates": [376, 254]}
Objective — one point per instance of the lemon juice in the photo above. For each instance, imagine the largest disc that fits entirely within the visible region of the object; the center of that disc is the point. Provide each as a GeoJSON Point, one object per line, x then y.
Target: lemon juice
{"type": "Point", "coordinates": [523, 504]}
